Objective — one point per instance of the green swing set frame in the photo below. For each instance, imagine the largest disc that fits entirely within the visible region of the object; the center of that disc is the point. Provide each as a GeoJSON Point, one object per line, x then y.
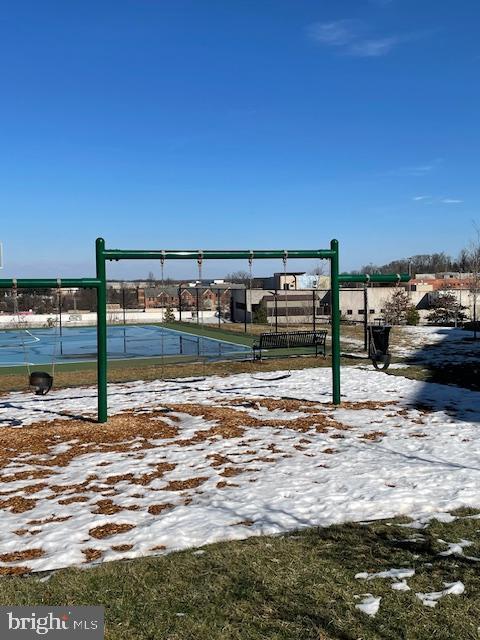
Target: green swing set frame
{"type": "Point", "coordinates": [100, 284]}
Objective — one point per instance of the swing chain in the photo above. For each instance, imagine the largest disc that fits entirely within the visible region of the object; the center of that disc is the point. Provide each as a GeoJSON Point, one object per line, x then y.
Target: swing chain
{"type": "Point", "coordinates": [16, 311]}
{"type": "Point", "coordinates": [162, 267]}
{"type": "Point", "coordinates": [250, 269]}
{"type": "Point", "coordinates": [285, 287]}
{"type": "Point", "coordinates": [57, 328]}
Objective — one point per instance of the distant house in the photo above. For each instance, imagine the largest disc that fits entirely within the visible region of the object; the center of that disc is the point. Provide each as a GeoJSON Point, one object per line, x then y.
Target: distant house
{"type": "Point", "coordinates": [188, 296]}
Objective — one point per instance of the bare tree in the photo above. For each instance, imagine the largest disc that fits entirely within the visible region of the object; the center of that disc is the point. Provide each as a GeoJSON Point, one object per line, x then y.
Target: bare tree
{"type": "Point", "coordinates": [239, 277]}
{"type": "Point", "coordinates": [318, 270]}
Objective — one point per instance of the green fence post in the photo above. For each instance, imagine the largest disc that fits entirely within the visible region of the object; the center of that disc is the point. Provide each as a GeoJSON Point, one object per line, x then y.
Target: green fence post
{"type": "Point", "coordinates": [101, 331]}
{"type": "Point", "coordinates": [335, 285]}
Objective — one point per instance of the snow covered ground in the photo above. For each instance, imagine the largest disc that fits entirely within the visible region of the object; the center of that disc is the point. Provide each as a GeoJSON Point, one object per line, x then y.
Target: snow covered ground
{"type": "Point", "coordinates": [437, 345]}
{"type": "Point", "coordinates": [429, 345]}
{"type": "Point", "coordinates": [182, 465]}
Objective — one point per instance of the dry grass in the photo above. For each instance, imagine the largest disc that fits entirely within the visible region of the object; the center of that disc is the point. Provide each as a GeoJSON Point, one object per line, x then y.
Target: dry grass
{"type": "Point", "coordinates": [126, 372]}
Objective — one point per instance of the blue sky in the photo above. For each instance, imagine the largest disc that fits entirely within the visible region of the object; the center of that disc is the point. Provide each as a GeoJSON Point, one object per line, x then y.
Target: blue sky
{"type": "Point", "coordinates": [240, 124]}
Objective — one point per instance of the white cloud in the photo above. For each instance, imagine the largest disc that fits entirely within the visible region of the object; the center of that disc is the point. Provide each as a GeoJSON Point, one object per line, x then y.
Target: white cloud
{"type": "Point", "coordinates": [351, 38]}
{"type": "Point", "coordinates": [374, 48]}
{"type": "Point", "coordinates": [334, 34]}
{"type": "Point", "coordinates": [433, 200]}
{"type": "Point", "coordinates": [417, 171]}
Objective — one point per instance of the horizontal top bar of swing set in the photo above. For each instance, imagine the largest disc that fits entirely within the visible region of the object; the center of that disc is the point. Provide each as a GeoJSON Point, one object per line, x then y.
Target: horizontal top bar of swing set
{"type": "Point", "coordinates": [375, 277]}
{"type": "Point", "coordinates": [50, 283]}
{"type": "Point", "coordinates": [132, 254]}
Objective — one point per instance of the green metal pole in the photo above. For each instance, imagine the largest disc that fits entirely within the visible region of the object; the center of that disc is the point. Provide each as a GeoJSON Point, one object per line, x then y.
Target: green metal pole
{"type": "Point", "coordinates": [335, 284]}
{"type": "Point", "coordinates": [101, 331]}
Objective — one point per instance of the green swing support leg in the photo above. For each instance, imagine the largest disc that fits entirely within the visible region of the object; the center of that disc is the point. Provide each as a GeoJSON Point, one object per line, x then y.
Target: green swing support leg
{"type": "Point", "coordinates": [102, 360]}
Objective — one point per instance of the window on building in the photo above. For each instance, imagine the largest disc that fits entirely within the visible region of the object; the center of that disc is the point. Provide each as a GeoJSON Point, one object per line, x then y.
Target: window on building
{"type": "Point", "coordinates": [360, 312]}
{"type": "Point", "coordinates": [349, 312]}
{"type": "Point", "coordinates": [372, 310]}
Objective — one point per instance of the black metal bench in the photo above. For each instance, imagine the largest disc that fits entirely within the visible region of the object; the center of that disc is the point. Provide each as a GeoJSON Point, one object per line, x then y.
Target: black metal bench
{"type": "Point", "coordinates": [290, 340]}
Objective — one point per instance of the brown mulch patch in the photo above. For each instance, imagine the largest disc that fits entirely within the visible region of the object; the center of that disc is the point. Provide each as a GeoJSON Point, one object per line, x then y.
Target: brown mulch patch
{"type": "Point", "coordinates": [160, 470]}
{"type": "Point", "coordinates": [73, 488]}
{"type": "Point", "coordinates": [92, 554]}
{"type": "Point", "coordinates": [108, 507]}
{"type": "Point", "coordinates": [122, 547]}
{"type": "Point", "coordinates": [74, 499]}
{"type": "Point", "coordinates": [48, 520]}
{"type": "Point", "coordinates": [24, 475]}
{"type": "Point", "coordinates": [180, 485]}
{"type": "Point", "coordinates": [155, 509]}
{"type": "Point", "coordinates": [374, 436]}
{"type": "Point", "coordinates": [159, 547]}
{"type": "Point", "coordinates": [14, 571]}
{"type": "Point", "coordinates": [16, 556]}
{"type": "Point", "coordinates": [309, 406]}
{"type": "Point", "coordinates": [34, 488]}
{"type": "Point", "coordinates": [274, 449]}
{"type": "Point", "coordinates": [124, 430]}
{"type": "Point", "coordinates": [110, 529]}
{"type": "Point", "coordinates": [218, 459]}
{"type": "Point", "coordinates": [229, 472]}
{"type": "Point", "coordinates": [232, 423]}
{"type": "Point", "coordinates": [222, 484]}
{"type": "Point", "coordinates": [329, 451]}
{"type": "Point", "coordinates": [17, 504]}
{"type": "Point", "coordinates": [23, 532]}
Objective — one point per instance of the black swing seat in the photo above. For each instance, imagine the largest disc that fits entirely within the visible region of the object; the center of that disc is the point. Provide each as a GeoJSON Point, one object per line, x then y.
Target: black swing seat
{"type": "Point", "coordinates": [378, 343]}
{"type": "Point", "coordinates": [41, 382]}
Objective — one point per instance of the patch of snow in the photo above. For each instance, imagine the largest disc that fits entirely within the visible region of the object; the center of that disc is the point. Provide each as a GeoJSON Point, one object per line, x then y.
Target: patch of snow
{"type": "Point", "coordinates": [395, 574]}
{"type": "Point", "coordinates": [369, 605]}
{"type": "Point", "coordinates": [451, 588]}
{"type": "Point", "coordinates": [454, 548]}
